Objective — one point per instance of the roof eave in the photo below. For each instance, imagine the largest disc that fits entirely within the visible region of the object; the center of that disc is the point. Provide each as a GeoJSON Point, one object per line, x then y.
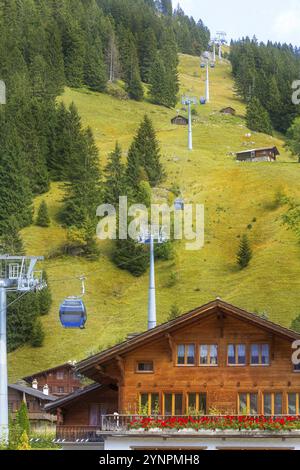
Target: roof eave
{"type": "Point", "coordinates": [87, 364]}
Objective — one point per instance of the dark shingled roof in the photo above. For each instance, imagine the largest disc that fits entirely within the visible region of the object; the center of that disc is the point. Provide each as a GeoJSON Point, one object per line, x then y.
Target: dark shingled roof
{"type": "Point", "coordinates": [73, 396]}
{"type": "Point", "coordinates": [32, 391]}
{"type": "Point", "coordinates": [270, 149]}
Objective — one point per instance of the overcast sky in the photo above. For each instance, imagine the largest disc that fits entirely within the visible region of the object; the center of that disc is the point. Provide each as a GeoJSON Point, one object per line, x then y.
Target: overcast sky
{"type": "Point", "coordinates": [277, 20]}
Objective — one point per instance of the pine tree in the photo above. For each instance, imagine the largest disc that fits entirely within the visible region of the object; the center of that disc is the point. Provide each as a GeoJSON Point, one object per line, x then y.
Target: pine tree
{"type": "Point", "coordinates": [83, 188]}
{"type": "Point", "coordinates": [43, 219]}
{"type": "Point", "coordinates": [39, 71]}
{"type": "Point", "coordinates": [166, 7]}
{"type": "Point", "coordinates": [55, 59]}
{"type": "Point", "coordinates": [169, 55]}
{"type": "Point", "coordinates": [21, 319]}
{"type": "Point", "coordinates": [131, 256]}
{"type": "Point", "coordinates": [293, 138]}
{"type": "Point", "coordinates": [24, 442]}
{"type": "Point", "coordinates": [274, 103]}
{"type": "Point", "coordinates": [295, 325]}
{"type": "Point", "coordinates": [31, 126]}
{"type": "Point", "coordinates": [74, 52]}
{"type": "Point", "coordinates": [11, 242]}
{"type": "Point", "coordinates": [22, 419]}
{"type": "Point", "coordinates": [114, 177]}
{"type": "Point", "coordinates": [147, 53]}
{"type": "Point", "coordinates": [148, 151]}
{"type": "Point", "coordinates": [83, 191]}
{"type": "Point", "coordinates": [157, 80]}
{"type": "Point", "coordinates": [257, 117]}
{"type": "Point", "coordinates": [94, 68]}
{"type": "Point", "coordinates": [15, 194]}
{"type": "Point", "coordinates": [244, 254]}
{"type": "Point", "coordinates": [37, 334]}
{"type": "Point", "coordinates": [134, 174]}
{"type": "Point", "coordinates": [174, 313]}
{"type": "Point", "coordinates": [130, 65]}
{"type": "Point", "coordinates": [68, 141]}
{"type": "Point", "coordinates": [45, 297]}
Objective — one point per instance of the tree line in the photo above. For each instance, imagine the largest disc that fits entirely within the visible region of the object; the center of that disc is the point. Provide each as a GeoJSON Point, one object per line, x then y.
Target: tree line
{"type": "Point", "coordinates": [264, 74]}
{"type": "Point", "coordinates": [46, 45]}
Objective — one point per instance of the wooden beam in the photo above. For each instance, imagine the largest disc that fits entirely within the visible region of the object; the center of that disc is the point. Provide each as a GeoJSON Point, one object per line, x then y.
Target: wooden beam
{"type": "Point", "coordinates": [171, 345]}
{"type": "Point", "coordinates": [104, 376]}
{"type": "Point", "coordinates": [121, 365]}
{"type": "Point", "coordinates": [221, 317]}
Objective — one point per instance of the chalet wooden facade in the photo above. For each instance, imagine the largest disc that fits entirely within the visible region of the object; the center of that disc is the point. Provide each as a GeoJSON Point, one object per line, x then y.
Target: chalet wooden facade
{"type": "Point", "coordinates": [61, 380]}
{"type": "Point", "coordinates": [35, 400]}
{"type": "Point", "coordinates": [266, 154]}
{"type": "Point", "coordinates": [215, 359]}
{"type": "Point", "coordinates": [180, 121]}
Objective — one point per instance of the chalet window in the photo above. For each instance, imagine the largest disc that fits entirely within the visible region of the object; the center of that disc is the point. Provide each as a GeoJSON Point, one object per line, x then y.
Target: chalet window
{"type": "Point", "coordinates": [60, 390]}
{"type": "Point", "coordinates": [186, 355]}
{"type": "Point", "coordinates": [236, 355]}
{"type": "Point", "coordinates": [260, 354]}
{"type": "Point", "coordinates": [196, 403]}
{"type": "Point", "coordinates": [149, 403]}
{"type": "Point", "coordinates": [296, 367]}
{"type": "Point", "coordinates": [248, 403]}
{"type": "Point", "coordinates": [272, 404]}
{"type": "Point", "coordinates": [60, 375]}
{"type": "Point", "coordinates": [173, 404]}
{"type": "Point", "coordinates": [293, 403]}
{"type": "Point", "coordinates": [144, 367]}
{"type": "Point", "coordinates": [208, 355]}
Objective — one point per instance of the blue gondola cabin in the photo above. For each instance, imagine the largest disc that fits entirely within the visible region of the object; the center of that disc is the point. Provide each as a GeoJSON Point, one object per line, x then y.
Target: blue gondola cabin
{"type": "Point", "coordinates": [72, 314]}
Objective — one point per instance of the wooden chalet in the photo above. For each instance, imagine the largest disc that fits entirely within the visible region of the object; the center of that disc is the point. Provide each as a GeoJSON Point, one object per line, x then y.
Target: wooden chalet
{"type": "Point", "coordinates": [266, 154]}
{"type": "Point", "coordinates": [180, 120]}
{"type": "Point", "coordinates": [228, 110]}
{"type": "Point", "coordinates": [61, 380]}
{"type": "Point", "coordinates": [215, 359]}
{"type": "Point", "coordinates": [35, 401]}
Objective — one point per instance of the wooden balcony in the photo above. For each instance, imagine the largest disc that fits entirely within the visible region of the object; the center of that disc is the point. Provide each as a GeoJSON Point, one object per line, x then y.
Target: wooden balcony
{"type": "Point", "coordinates": [79, 433]}
{"type": "Point", "coordinates": [121, 424]}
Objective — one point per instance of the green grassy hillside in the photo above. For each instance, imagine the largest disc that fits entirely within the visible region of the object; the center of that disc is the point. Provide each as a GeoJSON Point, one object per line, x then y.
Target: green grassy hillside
{"type": "Point", "coordinates": [235, 195]}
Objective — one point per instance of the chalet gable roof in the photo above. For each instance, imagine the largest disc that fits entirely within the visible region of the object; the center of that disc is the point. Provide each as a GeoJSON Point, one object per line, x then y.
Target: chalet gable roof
{"type": "Point", "coordinates": [227, 108]}
{"type": "Point", "coordinates": [67, 365]}
{"type": "Point", "coordinates": [190, 317]}
{"type": "Point", "coordinates": [262, 149]}
{"type": "Point", "coordinates": [72, 396]}
{"type": "Point", "coordinates": [32, 392]}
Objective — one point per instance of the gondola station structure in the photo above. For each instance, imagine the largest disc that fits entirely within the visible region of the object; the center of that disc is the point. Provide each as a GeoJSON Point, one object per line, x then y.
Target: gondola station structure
{"type": "Point", "coordinates": [217, 377]}
{"type": "Point", "coordinates": [17, 274]}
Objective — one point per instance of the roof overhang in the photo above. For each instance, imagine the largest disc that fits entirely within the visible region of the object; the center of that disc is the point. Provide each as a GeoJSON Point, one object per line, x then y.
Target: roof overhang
{"type": "Point", "coordinates": [72, 397]}
{"type": "Point", "coordinates": [87, 366]}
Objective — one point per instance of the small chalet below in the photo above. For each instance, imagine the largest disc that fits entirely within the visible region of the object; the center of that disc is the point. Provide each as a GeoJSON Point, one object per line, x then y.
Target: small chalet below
{"type": "Point", "coordinates": [61, 380]}
{"type": "Point", "coordinates": [228, 110]}
{"type": "Point", "coordinates": [180, 121]}
{"type": "Point", "coordinates": [266, 154]}
{"type": "Point", "coordinates": [35, 400]}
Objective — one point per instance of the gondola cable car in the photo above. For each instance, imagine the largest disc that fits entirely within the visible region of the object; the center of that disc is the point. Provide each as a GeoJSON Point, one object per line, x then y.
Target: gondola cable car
{"type": "Point", "coordinates": [72, 311]}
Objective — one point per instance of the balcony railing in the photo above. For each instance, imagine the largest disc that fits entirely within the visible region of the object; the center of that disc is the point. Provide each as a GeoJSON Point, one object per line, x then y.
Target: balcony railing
{"type": "Point", "coordinates": [123, 423]}
{"type": "Point", "coordinates": [79, 434]}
